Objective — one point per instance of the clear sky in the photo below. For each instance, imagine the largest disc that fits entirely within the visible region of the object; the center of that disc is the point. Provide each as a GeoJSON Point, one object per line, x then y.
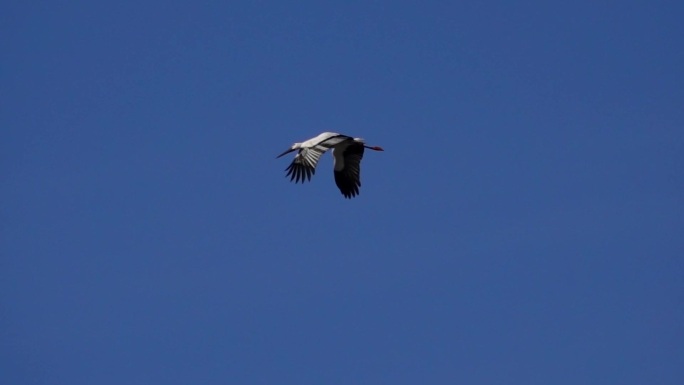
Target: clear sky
{"type": "Point", "coordinates": [523, 226]}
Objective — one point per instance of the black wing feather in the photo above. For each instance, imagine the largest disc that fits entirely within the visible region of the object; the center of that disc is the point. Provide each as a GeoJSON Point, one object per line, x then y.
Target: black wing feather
{"type": "Point", "coordinates": [348, 180]}
{"type": "Point", "coordinates": [303, 167]}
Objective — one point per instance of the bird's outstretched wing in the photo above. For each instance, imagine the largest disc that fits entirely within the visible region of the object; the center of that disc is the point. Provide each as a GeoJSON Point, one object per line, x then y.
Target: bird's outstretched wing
{"type": "Point", "coordinates": [304, 164]}
{"type": "Point", "coordinates": [348, 179]}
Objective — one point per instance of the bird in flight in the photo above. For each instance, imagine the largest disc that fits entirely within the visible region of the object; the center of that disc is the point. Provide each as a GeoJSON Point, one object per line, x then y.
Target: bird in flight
{"type": "Point", "coordinates": [347, 154]}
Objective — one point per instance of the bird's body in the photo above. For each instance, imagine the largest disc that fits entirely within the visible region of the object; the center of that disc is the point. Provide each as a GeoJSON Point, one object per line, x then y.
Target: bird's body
{"type": "Point", "coordinates": [347, 154]}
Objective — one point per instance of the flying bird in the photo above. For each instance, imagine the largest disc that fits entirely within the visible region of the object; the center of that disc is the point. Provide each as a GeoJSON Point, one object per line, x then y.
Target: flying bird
{"type": "Point", "coordinates": [347, 154]}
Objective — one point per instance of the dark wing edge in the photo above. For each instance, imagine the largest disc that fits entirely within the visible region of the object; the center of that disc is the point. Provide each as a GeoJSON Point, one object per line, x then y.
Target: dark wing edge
{"type": "Point", "coordinates": [303, 167]}
{"type": "Point", "coordinates": [333, 141]}
{"type": "Point", "coordinates": [348, 180]}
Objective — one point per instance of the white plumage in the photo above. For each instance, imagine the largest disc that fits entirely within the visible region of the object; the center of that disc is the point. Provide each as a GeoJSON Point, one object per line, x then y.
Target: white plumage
{"type": "Point", "coordinates": [347, 155]}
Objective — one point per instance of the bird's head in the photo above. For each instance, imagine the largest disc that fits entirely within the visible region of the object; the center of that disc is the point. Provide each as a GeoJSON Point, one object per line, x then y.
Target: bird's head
{"type": "Point", "coordinates": [375, 148]}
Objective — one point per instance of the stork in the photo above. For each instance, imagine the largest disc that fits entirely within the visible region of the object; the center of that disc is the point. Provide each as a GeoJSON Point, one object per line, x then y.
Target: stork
{"type": "Point", "coordinates": [347, 154]}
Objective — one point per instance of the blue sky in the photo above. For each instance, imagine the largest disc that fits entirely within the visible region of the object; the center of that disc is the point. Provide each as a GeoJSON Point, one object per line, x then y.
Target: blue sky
{"type": "Point", "coordinates": [523, 225]}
